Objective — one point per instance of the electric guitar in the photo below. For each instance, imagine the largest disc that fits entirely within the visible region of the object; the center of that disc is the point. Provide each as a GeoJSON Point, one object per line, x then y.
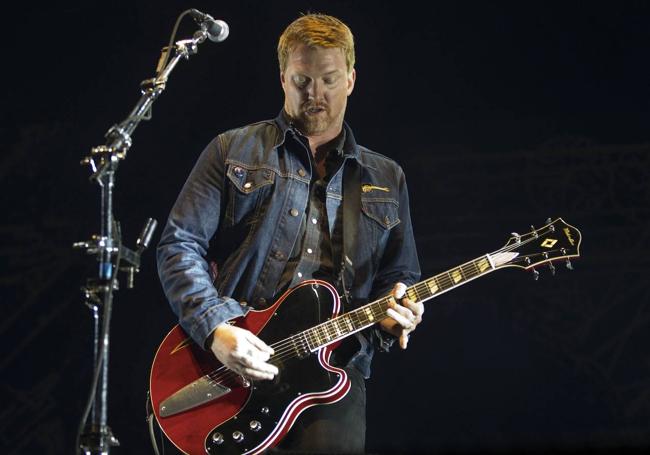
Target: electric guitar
{"type": "Point", "coordinates": [203, 407]}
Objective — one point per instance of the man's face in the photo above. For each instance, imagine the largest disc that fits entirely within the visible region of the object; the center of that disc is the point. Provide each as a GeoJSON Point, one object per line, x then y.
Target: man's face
{"type": "Point", "coordinates": [316, 87]}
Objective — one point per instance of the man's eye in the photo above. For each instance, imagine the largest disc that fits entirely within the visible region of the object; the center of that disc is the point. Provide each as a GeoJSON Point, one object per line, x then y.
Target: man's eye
{"type": "Point", "coordinates": [300, 80]}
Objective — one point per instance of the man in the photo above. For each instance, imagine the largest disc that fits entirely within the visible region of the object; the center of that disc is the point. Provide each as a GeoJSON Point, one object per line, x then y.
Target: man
{"type": "Point", "coordinates": [267, 200]}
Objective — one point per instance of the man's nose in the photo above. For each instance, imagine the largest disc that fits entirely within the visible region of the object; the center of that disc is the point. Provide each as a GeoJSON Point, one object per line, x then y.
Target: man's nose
{"type": "Point", "coordinates": [315, 90]}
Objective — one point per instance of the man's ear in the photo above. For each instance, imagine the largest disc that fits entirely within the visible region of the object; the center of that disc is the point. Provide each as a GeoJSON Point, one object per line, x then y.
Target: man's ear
{"type": "Point", "coordinates": [352, 77]}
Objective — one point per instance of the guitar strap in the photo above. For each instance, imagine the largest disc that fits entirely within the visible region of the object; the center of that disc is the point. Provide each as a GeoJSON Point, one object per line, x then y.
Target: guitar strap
{"type": "Point", "coordinates": [351, 212]}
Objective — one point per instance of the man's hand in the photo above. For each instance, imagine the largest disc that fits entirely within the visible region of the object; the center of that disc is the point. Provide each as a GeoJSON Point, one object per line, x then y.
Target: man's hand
{"type": "Point", "coordinates": [242, 352]}
{"type": "Point", "coordinates": [402, 318]}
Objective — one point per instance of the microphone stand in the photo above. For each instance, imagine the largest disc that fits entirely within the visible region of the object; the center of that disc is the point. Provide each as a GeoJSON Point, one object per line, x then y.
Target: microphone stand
{"type": "Point", "coordinates": [95, 436]}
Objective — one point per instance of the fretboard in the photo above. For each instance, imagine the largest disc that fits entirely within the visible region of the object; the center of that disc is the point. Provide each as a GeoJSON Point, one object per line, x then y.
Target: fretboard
{"type": "Point", "coordinates": [367, 315]}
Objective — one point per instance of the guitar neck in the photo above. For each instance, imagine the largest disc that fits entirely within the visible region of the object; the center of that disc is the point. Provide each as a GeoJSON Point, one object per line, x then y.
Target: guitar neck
{"type": "Point", "coordinates": [367, 315]}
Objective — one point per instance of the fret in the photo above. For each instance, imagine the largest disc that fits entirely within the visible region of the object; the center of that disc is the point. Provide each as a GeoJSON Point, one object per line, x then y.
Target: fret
{"type": "Point", "coordinates": [467, 271]}
{"type": "Point", "coordinates": [312, 340]}
{"type": "Point", "coordinates": [345, 324]}
{"type": "Point", "coordinates": [483, 264]}
{"type": "Point", "coordinates": [437, 282]}
{"type": "Point", "coordinates": [319, 336]}
{"type": "Point", "coordinates": [367, 313]}
{"type": "Point", "coordinates": [411, 293]}
{"type": "Point", "coordinates": [433, 286]}
{"type": "Point", "coordinates": [348, 321]}
{"type": "Point", "coordinates": [337, 327]}
{"type": "Point", "coordinates": [326, 332]}
{"type": "Point", "coordinates": [477, 272]}
{"type": "Point", "coordinates": [455, 276]}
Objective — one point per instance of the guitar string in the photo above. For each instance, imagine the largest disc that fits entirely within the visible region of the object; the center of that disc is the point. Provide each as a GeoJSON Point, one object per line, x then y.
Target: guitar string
{"type": "Point", "coordinates": [287, 348]}
{"type": "Point", "coordinates": [290, 348]}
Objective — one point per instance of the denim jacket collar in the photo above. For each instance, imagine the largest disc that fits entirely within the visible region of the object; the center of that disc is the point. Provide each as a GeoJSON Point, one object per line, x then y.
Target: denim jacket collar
{"type": "Point", "coordinates": [350, 147]}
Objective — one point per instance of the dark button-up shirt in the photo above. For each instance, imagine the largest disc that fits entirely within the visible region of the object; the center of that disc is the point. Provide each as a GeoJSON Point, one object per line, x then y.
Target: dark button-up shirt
{"type": "Point", "coordinates": [243, 201]}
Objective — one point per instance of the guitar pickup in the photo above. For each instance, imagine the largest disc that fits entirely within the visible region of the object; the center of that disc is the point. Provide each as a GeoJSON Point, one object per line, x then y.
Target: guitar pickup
{"type": "Point", "coordinates": [201, 391]}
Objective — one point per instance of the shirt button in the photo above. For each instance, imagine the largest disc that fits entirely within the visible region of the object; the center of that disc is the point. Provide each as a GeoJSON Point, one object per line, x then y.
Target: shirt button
{"type": "Point", "coordinates": [314, 221]}
{"type": "Point", "coordinates": [310, 251]}
{"type": "Point", "coordinates": [301, 172]}
{"type": "Point", "coordinates": [294, 212]}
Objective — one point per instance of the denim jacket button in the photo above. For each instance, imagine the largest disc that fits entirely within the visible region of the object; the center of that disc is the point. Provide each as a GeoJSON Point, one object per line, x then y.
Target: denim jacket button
{"type": "Point", "coordinates": [301, 172]}
{"type": "Point", "coordinates": [386, 220]}
{"type": "Point", "coordinates": [278, 255]}
{"type": "Point", "coordinates": [261, 301]}
{"type": "Point", "coordinates": [238, 171]}
{"type": "Point", "coordinates": [294, 212]}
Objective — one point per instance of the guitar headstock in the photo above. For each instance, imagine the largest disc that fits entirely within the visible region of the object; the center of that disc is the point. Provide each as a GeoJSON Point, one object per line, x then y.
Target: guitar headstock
{"type": "Point", "coordinates": [554, 241]}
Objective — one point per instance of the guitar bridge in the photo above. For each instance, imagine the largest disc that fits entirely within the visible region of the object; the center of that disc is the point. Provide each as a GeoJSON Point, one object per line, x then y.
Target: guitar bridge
{"type": "Point", "coordinates": [196, 393]}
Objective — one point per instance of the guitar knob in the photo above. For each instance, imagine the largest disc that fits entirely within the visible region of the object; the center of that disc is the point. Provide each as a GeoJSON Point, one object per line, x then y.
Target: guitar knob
{"type": "Point", "coordinates": [217, 438]}
{"type": "Point", "coordinates": [238, 436]}
{"type": "Point", "coordinates": [255, 425]}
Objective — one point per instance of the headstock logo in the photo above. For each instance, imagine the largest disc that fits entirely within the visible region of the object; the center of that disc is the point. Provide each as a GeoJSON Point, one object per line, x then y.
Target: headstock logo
{"type": "Point", "coordinates": [548, 243]}
{"type": "Point", "coordinates": [567, 232]}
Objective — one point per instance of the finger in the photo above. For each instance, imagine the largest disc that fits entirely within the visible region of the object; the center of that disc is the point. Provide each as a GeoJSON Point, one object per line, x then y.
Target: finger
{"type": "Point", "coordinates": [399, 290]}
{"type": "Point", "coordinates": [417, 308]}
{"type": "Point", "coordinates": [401, 319]}
{"type": "Point", "coordinates": [256, 374]}
{"type": "Point", "coordinates": [404, 311]}
{"type": "Point", "coordinates": [258, 364]}
{"type": "Point", "coordinates": [403, 340]}
{"type": "Point", "coordinates": [259, 344]}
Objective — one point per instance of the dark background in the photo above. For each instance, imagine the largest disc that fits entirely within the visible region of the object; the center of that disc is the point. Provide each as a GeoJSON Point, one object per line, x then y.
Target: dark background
{"type": "Point", "coordinates": [502, 114]}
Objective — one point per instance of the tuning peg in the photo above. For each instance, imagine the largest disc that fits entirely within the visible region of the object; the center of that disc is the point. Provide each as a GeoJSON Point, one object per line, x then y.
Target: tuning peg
{"type": "Point", "coordinates": [552, 268]}
{"type": "Point", "coordinates": [516, 236]}
{"type": "Point", "coordinates": [551, 227]}
{"type": "Point", "coordinates": [568, 264]}
{"type": "Point", "coordinates": [532, 229]}
{"type": "Point", "coordinates": [535, 275]}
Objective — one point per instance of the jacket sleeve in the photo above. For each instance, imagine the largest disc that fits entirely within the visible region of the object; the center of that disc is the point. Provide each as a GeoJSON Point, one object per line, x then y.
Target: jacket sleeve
{"type": "Point", "coordinates": [399, 262]}
{"type": "Point", "coordinates": [182, 267]}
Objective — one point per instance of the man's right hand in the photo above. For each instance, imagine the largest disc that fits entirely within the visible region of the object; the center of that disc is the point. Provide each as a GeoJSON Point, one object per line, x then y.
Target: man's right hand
{"type": "Point", "coordinates": [242, 352]}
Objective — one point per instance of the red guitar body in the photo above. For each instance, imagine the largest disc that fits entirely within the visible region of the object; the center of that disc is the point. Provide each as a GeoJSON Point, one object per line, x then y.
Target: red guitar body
{"type": "Point", "coordinates": [251, 418]}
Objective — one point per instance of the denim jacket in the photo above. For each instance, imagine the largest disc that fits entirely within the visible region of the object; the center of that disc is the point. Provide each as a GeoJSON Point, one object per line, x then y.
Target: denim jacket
{"type": "Point", "coordinates": [243, 202]}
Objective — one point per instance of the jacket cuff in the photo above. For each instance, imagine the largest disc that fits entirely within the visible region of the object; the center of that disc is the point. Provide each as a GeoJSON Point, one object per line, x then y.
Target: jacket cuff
{"type": "Point", "coordinates": [202, 325]}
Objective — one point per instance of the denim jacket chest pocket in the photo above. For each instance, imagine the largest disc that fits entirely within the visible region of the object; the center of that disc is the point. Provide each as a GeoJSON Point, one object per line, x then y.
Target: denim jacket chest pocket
{"type": "Point", "coordinates": [379, 216]}
{"type": "Point", "coordinates": [248, 187]}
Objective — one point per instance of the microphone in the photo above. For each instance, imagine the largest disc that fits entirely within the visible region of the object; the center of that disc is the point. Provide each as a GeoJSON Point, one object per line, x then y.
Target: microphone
{"type": "Point", "coordinates": [217, 30]}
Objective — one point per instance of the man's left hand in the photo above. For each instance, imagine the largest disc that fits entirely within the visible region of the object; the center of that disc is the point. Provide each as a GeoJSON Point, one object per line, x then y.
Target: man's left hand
{"type": "Point", "coordinates": [402, 317]}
